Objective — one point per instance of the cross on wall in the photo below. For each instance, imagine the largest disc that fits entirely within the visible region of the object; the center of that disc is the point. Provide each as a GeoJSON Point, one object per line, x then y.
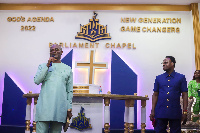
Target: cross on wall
{"type": "Point", "coordinates": [91, 66]}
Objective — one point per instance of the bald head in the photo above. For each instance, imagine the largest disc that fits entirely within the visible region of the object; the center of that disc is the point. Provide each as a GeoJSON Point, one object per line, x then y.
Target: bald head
{"type": "Point", "coordinates": [56, 46]}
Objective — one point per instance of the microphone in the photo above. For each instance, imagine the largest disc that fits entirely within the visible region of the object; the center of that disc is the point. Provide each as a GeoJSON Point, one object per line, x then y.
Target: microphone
{"type": "Point", "coordinates": [51, 61]}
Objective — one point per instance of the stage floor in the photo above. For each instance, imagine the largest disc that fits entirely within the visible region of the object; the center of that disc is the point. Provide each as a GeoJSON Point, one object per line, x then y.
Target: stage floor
{"type": "Point", "coordinates": [21, 129]}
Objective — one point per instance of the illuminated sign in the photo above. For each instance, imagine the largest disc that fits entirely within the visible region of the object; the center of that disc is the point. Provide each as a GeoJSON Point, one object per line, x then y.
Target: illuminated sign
{"type": "Point", "coordinates": [93, 31]}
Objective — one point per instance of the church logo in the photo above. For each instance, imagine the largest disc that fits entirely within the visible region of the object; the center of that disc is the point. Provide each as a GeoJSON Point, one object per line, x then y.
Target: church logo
{"type": "Point", "coordinates": [93, 31]}
{"type": "Point", "coordinates": [80, 122]}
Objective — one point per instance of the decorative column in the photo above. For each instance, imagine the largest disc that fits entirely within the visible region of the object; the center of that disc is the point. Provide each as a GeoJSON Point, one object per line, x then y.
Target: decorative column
{"type": "Point", "coordinates": [143, 115]}
{"type": "Point", "coordinates": [126, 114]}
{"type": "Point", "coordinates": [196, 28]}
{"type": "Point", "coordinates": [106, 115]}
{"type": "Point", "coordinates": [28, 113]}
{"type": "Point", "coordinates": [131, 116]}
{"type": "Point", "coordinates": [34, 112]}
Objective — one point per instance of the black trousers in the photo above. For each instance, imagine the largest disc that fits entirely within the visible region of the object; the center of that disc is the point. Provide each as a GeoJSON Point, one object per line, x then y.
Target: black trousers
{"type": "Point", "coordinates": [174, 124]}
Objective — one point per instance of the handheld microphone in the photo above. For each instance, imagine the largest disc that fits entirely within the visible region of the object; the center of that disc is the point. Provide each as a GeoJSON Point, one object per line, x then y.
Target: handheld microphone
{"type": "Point", "coordinates": [51, 61]}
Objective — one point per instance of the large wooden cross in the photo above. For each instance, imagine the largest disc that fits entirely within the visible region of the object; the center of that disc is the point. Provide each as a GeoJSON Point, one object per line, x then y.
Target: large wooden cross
{"type": "Point", "coordinates": [92, 65]}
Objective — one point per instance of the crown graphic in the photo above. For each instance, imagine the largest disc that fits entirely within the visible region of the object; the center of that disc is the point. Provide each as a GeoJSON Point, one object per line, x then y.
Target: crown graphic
{"type": "Point", "coordinates": [80, 122]}
{"type": "Point", "coordinates": [93, 31]}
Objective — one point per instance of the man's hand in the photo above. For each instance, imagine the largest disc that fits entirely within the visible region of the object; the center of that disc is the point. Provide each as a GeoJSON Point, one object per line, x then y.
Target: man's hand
{"type": "Point", "coordinates": [152, 115]}
{"type": "Point", "coordinates": [185, 104]}
{"type": "Point", "coordinates": [184, 119]}
{"type": "Point", "coordinates": [69, 114]}
{"type": "Point", "coordinates": [51, 59]}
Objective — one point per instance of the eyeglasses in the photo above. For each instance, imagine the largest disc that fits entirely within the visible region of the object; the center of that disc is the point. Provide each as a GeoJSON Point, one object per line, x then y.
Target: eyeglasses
{"type": "Point", "coordinates": [165, 62]}
{"type": "Point", "coordinates": [56, 50]}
